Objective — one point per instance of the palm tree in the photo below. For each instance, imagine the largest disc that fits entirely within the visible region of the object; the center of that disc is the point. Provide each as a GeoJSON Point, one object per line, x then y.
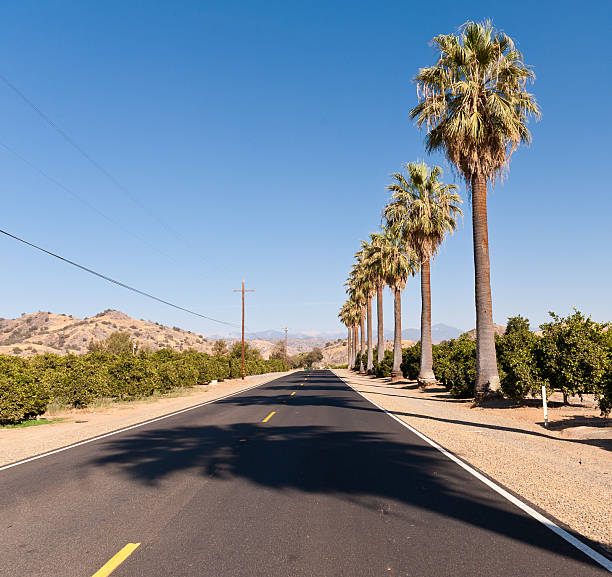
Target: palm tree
{"type": "Point", "coordinates": [398, 263]}
{"type": "Point", "coordinates": [369, 280]}
{"type": "Point", "coordinates": [350, 314]}
{"type": "Point", "coordinates": [345, 318]}
{"type": "Point", "coordinates": [475, 106]}
{"type": "Point", "coordinates": [426, 210]}
{"type": "Point", "coordinates": [355, 298]}
{"type": "Point", "coordinates": [373, 257]}
{"type": "Point", "coordinates": [360, 289]}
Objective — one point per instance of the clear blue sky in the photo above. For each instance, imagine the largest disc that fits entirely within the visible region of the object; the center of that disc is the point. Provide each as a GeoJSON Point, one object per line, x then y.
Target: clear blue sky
{"type": "Point", "coordinates": [265, 133]}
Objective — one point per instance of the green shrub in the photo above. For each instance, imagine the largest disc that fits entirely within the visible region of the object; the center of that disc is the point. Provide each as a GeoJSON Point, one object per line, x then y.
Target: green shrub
{"type": "Point", "coordinates": [411, 361]}
{"type": "Point", "coordinates": [517, 357]}
{"type": "Point", "coordinates": [604, 392]}
{"type": "Point", "coordinates": [360, 358]}
{"type": "Point", "coordinates": [454, 364]}
{"type": "Point", "coordinates": [574, 354]}
{"type": "Point", "coordinates": [22, 396]}
{"type": "Point", "coordinates": [383, 369]}
{"type": "Point", "coordinates": [74, 380]}
{"type": "Point", "coordinates": [131, 377]}
{"type": "Point", "coordinates": [177, 373]}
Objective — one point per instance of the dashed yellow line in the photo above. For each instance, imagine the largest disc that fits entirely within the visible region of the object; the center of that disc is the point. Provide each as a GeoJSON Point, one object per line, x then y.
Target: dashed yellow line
{"type": "Point", "coordinates": [269, 417]}
{"type": "Point", "coordinates": [291, 395]}
{"type": "Point", "coordinates": [116, 560]}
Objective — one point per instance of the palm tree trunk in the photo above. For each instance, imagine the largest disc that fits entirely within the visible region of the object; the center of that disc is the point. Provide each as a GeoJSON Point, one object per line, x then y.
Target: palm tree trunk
{"type": "Point", "coordinates": [354, 347]}
{"type": "Point", "coordinates": [379, 317]}
{"type": "Point", "coordinates": [361, 347]}
{"type": "Point", "coordinates": [487, 376]}
{"type": "Point", "coordinates": [348, 348]}
{"type": "Point", "coordinates": [396, 372]}
{"type": "Point", "coordinates": [426, 374]}
{"type": "Point", "coordinates": [370, 363]}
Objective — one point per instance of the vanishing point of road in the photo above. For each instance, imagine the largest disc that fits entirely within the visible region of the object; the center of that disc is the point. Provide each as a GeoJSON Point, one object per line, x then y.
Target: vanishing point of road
{"type": "Point", "coordinates": [298, 477]}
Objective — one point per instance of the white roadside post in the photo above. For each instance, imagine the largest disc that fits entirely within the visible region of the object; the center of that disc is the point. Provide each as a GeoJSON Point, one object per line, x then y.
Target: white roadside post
{"type": "Point", "coordinates": [545, 406]}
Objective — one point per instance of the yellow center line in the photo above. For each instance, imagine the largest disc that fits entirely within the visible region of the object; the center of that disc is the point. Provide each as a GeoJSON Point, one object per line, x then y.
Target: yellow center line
{"type": "Point", "coordinates": [291, 395]}
{"type": "Point", "coordinates": [269, 417]}
{"type": "Point", "coordinates": [116, 560]}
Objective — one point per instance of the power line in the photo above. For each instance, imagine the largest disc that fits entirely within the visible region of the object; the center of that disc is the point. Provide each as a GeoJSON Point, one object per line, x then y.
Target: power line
{"type": "Point", "coordinates": [88, 157]}
{"type": "Point", "coordinates": [118, 283]}
{"type": "Point", "coordinates": [82, 200]}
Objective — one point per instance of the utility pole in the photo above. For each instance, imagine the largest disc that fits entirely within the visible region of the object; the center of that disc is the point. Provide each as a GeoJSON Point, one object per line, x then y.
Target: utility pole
{"type": "Point", "coordinates": [242, 290]}
{"type": "Point", "coordinates": [285, 329]}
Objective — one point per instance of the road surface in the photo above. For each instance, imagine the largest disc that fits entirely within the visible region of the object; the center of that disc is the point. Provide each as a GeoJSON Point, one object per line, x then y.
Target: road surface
{"type": "Point", "coordinates": [298, 477]}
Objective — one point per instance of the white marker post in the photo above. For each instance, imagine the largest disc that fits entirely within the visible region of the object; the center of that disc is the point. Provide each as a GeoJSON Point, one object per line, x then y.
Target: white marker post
{"type": "Point", "coordinates": [545, 406]}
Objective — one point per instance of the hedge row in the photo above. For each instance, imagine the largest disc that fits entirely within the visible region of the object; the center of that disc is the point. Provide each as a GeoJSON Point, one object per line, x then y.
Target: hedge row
{"type": "Point", "coordinates": [573, 355]}
{"type": "Point", "coordinates": [27, 386]}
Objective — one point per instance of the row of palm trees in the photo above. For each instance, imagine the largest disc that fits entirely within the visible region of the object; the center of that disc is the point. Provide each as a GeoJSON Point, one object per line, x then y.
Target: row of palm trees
{"type": "Point", "coordinates": [474, 106]}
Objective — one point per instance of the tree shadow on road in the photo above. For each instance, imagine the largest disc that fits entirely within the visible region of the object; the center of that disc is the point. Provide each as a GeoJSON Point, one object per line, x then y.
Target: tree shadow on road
{"type": "Point", "coordinates": [361, 466]}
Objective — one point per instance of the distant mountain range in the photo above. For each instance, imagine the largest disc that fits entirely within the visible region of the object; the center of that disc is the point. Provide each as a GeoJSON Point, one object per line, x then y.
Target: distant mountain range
{"type": "Point", "coordinates": [439, 332]}
{"type": "Point", "coordinates": [275, 335]}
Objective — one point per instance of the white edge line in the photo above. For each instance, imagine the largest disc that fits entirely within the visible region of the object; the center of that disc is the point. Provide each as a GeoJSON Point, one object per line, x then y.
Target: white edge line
{"type": "Point", "coordinates": [598, 557]}
{"type": "Point", "coordinates": [103, 436]}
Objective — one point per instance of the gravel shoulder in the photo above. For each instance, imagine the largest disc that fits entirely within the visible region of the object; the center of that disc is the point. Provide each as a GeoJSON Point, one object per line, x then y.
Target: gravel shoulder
{"type": "Point", "coordinates": [79, 425]}
{"type": "Point", "coordinates": [565, 470]}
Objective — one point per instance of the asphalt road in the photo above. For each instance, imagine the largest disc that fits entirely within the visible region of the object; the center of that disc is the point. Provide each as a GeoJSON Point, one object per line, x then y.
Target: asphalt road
{"type": "Point", "coordinates": [328, 486]}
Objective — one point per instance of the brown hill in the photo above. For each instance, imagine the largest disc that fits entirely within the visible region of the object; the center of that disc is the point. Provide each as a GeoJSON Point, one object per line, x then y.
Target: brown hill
{"type": "Point", "coordinates": [61, 334]}
{"type": "Point", "coordinates": [46, 332]}
{"type": "Point", "coordinates": [498, 329]}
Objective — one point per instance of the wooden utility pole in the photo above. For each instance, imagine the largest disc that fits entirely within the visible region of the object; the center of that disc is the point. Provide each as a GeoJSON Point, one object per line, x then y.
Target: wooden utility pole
{"type": "Point", "coordinates": [242, 290]}
{"type": "Point", "coordinates": [285, 329]}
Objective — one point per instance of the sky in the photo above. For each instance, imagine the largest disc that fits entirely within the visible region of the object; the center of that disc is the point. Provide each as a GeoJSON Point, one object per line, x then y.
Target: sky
{"type": "Point", "coordinates": [254, 140]}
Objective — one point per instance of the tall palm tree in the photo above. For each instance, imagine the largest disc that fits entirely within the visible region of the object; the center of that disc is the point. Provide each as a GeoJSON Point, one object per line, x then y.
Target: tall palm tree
{"type": "Point", "coordinates": [351, 315]}
{"type": "Point", "coordinates": [344, 316]}
{"type": "Point", "coordinates": [373, 257]}
{"type": "Point", "coordinates": [426, 210]}
{"type": "Point", "coordinates": [358, 293]}
{"type": "Point", "coordinates": [367, 277]}
{"type": "Point", "coordinates": [398, 263]}
{"type": "Point", "coordinates": [475, 106]}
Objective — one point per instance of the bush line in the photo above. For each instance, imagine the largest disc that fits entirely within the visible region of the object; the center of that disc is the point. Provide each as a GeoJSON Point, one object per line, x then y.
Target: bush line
{"type": "Point", "coordinates": [573, 355]}
{"type": "Point", "coordinates": [27, 386]}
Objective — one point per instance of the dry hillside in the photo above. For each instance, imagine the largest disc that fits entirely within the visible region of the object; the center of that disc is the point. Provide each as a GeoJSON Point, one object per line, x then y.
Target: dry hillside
{"type": "Point", "coordinates": [48, 332]}
{"type": "Point", "coordinates": [45, 332]}
{"type": "Point", "coordinates": [497, 329]}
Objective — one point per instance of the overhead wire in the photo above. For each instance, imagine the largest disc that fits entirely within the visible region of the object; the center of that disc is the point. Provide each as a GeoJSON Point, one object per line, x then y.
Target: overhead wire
{"type": "Point", "coordinates": [116, 282]}
{"type": "Point", "coordinates": [89, 158]}
{"type": "Point", "coordinates": [110, 177]}
{"type": "Point", "coordinates": [83, 200]}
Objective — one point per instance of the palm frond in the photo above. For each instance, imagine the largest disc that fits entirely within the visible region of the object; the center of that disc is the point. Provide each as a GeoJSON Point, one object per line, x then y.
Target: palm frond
{"type": "Point", "coordinates": [473, 102]}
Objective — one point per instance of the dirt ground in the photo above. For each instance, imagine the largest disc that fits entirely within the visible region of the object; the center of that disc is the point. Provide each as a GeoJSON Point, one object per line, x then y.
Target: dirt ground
{"type": "Point", "coordinates": [566, 470]}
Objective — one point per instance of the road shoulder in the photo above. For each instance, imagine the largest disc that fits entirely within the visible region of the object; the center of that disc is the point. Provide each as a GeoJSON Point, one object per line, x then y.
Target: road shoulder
{"type": "Point", "coordinates": [568, 478]}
